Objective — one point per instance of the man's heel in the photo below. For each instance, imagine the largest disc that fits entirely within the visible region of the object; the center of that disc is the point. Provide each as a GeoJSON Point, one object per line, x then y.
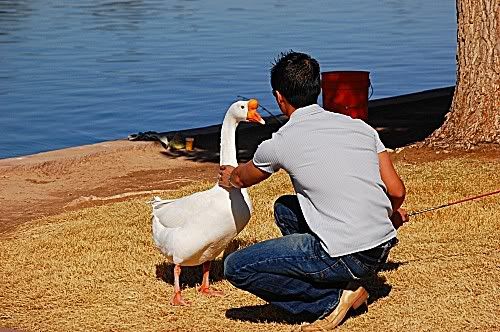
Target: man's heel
{"type": "Point", "coordinates": [350, 299]}
{"type": "Point", "coordinates": [361, 299]}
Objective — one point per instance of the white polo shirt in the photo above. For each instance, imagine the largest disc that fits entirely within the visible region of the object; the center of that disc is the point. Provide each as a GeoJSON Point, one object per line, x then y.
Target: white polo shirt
{"type": "Point", "coordinates": [332, 161]}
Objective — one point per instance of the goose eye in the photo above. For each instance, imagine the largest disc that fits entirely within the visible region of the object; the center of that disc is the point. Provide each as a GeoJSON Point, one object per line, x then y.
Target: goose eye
{"type": "Point", "coordinates": [242, 107]}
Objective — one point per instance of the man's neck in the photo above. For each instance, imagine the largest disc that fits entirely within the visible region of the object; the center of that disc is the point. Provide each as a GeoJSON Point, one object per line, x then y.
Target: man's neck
{"type": "Point", "coordinates": [289, 110]}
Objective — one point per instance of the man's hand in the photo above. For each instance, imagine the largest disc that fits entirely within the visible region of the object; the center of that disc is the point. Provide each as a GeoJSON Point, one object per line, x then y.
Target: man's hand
{"type": "Point", "coordinates": [243, 176]}
{"type": "Point", "coordinates": [224, 175]}
{"type": "Point", "coordinates": [399, 217]}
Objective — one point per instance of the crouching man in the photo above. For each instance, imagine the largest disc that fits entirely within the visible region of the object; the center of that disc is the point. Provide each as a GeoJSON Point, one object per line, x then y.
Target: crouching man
{"type": "Point", "coordinates": [339, 226]}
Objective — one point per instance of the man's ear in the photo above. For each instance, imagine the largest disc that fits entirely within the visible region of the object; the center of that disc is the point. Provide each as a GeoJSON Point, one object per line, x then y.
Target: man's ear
{"type": "Point", "coordinates": [279, 97]}
{"type": "Point", "coordinates": [283, 104]}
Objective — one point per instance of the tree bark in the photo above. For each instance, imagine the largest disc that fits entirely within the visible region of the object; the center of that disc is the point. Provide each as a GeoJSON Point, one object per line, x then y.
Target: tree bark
{"type": "Point", "coordinates": [474, 117]}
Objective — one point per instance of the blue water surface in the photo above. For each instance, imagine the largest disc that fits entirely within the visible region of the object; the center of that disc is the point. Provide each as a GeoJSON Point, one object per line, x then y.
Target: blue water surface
{"type": "Point", "coordinates": [80, 72]}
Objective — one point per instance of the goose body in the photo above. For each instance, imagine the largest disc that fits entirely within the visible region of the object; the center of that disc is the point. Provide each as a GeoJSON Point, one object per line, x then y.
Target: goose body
{"type": "Point", "coordinates": [195, 229]}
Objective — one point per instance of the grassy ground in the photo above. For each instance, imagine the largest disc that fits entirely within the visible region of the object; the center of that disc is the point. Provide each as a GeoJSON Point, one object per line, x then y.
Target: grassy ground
{"type": "Point", "coordinates": [97, 269]}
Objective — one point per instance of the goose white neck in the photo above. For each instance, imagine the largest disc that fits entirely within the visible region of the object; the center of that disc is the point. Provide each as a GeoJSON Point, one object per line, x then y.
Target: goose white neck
{"type": "Point", "coordinates": [228, 141]}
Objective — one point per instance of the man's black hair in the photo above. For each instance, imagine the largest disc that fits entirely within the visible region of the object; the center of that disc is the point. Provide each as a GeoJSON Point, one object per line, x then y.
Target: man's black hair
{"type": "Point", "coordinates": [297, 77]}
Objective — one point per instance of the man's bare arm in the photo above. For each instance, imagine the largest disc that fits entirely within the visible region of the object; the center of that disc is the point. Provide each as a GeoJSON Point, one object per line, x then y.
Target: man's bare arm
{"type": "Point", "coordinates": [396, 190]}
{"type": "Point", "coordinates": [243, 176]}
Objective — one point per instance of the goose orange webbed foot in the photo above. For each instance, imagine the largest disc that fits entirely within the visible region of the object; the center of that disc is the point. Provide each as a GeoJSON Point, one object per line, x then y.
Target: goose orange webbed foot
{"type": "Point", "coordinates": [205, 284]}
{"type": "Point", "coordinates": [207, 291]}
{"type": "Point", "coordinates": [177, 300]}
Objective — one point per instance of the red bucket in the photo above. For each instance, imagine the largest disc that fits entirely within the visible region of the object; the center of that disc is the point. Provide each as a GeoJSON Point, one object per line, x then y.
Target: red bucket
{"type": "Point", "coordinates": [346, 92]}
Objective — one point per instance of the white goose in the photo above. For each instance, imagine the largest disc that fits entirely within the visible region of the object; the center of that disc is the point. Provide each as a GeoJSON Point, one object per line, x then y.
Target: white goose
{"type": "Point", "coordinates": [195, 229]}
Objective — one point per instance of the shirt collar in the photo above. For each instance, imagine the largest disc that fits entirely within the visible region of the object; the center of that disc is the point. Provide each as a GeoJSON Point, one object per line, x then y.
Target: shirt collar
{"type": "Point", "coordinates": [306, 110]}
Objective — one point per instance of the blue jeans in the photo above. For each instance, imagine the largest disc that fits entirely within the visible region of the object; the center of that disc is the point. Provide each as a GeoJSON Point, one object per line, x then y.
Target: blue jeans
{"type": "Point", "coordinates": [294, 272]}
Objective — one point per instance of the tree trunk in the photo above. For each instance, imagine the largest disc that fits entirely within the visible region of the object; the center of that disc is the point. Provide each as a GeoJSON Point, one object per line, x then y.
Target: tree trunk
{"type": "Point", "coordinates": [474, 117]}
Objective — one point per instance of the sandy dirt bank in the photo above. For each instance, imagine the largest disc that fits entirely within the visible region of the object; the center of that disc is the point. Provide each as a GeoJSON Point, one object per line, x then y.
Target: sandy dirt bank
{"type": "Point", "coordinates": [49, 183]}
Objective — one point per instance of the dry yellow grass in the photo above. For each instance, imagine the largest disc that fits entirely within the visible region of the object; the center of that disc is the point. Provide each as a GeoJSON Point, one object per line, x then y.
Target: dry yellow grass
{"type": "Point", "coordinates": [97, 269]}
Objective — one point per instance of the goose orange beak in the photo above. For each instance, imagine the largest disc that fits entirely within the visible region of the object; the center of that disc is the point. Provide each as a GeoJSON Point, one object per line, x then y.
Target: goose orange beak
{"type": "Point", "coordinates": [253, 115]}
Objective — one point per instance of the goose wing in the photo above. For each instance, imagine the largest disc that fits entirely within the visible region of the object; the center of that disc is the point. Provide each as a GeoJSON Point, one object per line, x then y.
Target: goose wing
{"type": "Point", "coordinates": [185, 210]}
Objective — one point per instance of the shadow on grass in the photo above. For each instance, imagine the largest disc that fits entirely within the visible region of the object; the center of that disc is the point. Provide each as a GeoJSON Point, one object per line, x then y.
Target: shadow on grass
{"type": "Point", "coordinates": [265, 313]}
{"type": "Point", "coordinates": [192, 275]}
{"type": "Point", "coordinates": [376, 286]}
{"type": "Point", "coordinates": [392, 266]}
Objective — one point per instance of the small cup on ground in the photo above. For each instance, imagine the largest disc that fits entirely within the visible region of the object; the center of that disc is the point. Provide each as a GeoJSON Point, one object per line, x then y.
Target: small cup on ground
{"type": "Point", "coordinates": [189, 143]}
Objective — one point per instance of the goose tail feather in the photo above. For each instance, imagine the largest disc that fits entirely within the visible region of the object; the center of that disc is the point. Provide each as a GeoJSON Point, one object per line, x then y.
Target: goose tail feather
{"type": "Point", "coordinates": [157, 202]}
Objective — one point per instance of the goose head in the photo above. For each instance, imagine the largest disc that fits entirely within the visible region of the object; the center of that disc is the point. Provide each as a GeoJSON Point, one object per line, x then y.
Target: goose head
{"type": "Point", "coordinates": [245, 110]}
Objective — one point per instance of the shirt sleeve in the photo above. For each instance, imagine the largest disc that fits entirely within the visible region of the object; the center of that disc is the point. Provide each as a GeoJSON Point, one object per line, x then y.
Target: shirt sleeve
{"type": "Point", "coordinates": [378, 143]}
{"type": "Point", "coordinates": [265, 157]}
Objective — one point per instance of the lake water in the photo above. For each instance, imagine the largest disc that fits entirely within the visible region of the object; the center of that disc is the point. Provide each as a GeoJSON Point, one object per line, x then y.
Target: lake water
{"type": "Point", "coordinates": [81, 72]}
